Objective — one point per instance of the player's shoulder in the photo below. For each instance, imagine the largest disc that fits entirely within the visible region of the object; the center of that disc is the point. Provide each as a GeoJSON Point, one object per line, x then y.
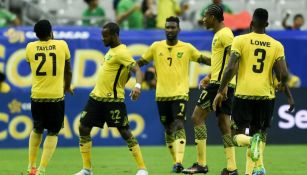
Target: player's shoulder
{"type": "Point", "coordinates": [276, 42]}
{"type": "Point", "coordinates": [158, 43]}
{"type": "Point", "coordinates": [59, 42]}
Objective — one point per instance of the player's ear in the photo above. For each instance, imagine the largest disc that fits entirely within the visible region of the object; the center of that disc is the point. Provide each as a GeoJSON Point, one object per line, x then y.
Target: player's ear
{"type": "Point", "coordinates": [267, 24]}
{"type": "Point", "coordinates": [51, 35]}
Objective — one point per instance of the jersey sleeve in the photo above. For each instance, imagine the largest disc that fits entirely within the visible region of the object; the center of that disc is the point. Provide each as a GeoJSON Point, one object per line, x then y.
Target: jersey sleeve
{"type": "Point", "coordinates": [126, 59]}
{"type": "Point", "coordinates": [67, 52]}
{"type": "Point", "coordinates": [227, 39]}
{"type": "Point", "coordinates": [280, 53]}
{"type": "Point", "coordinates": [195, 54]}
{"type": "Point", "coordinates": [236, 46]}
{"type": "Point", "coordinates": [148, 55]}
{"type": "Point", "coordinates": [27, 52]}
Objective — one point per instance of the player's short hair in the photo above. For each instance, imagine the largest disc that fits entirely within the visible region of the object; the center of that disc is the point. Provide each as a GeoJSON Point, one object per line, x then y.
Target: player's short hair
{"type": "Point", "coordinates": [42, 29]}
{"type": "Point", "coordinates": [298, 16]}
{"type": "Point", "coordinates": [88, 1]}
{"type": "Point", "coordinates": [113, 28]}
{"type": "Point", "coordinates": [217, 11]}
{"type": "Point", "coordinates": [261, 15]}
{"type": "Point", "coordinates": [173, 19]}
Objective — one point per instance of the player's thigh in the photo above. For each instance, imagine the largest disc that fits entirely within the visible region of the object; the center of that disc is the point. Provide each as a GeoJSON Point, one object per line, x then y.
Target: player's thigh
{"type": "Point", "coordinates": [207, 96]}
{"type": "Point", "coordinates": [116, 114]}
{"type": "Point", "coordinates": [241, 113]}
{"type": "Point", "coordinates": [262, 114]}
{"type": "Point", "coordinates": [164, 108]}
{"type": "Point", "coordinates": [225, 109]}
{"type": "Point", "coordinates": [93, 114]}
{"type": "Point", "coordinates": [48, 115]}
{"type": "Point", "coordinates": [178, 109]}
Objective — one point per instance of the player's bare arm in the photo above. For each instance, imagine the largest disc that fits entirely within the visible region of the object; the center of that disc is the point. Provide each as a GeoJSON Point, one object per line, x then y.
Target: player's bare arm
{"type": "Point", "coordinates": [204, 60]}
{"type": "Point", "coordinates": [136, 91]}
{"type": "Point", "coordinates": [281, 72]}
{"type": "Point", "coordinates": [205, 81]}
{"type": "Point", "coordinates": [229, 73]}
{"type": "Point", "coordinates": [67, 78]}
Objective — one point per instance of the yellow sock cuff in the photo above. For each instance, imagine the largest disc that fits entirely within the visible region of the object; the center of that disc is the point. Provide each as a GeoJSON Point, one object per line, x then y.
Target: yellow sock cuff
{"type": "Point", "coordinates": [241, 140]}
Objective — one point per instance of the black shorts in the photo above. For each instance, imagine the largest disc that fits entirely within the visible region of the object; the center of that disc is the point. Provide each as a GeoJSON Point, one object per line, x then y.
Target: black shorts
{"type": "Point", "coordinates": [48, 115]}
{"type": "Point", "coordinates": [207, 96]}
{"type": "Point", "coordinates": [96, 113]}
{"type": "Point", "coordinates": [171, 110]}
{"type": "Point", "coordinates": [252, 113]}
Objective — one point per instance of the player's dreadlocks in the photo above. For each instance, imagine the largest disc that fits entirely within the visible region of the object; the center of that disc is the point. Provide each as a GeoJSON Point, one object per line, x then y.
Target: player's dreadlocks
{"type": "Point", "coordinates": [216, 11]}
{"type": "Point", "coordinates": [42, 29]}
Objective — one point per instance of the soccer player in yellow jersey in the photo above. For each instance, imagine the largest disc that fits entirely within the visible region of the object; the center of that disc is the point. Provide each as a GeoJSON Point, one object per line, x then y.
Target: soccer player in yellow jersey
{"type": "Point", "coordinates": [49, 60]}
{"type": "Point", "coordinates": [106, 101]}
{"type": "Point", "coordinates": [221, 43]}
{"type": "Point", "coordinates": [171, 59]}
{"type": "Point", "coordinates": [254, 57]}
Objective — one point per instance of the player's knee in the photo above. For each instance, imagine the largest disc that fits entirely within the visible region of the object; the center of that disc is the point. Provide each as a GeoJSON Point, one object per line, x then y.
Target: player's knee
{"type": "Point", "coordinates": [125, 132]}
{"type": "Point", "coordinates": [38, 130]}
{"type": "Point", "coordinates": [52, 133]}
{"type": "Point", "coordinates": [179, 124]}
{"type": "Point", "coordinates": [84, 131]}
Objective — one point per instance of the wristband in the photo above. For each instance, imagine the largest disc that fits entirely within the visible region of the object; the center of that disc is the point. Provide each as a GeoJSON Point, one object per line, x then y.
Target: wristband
{"type": "Point", "coordinates": [138, 85]}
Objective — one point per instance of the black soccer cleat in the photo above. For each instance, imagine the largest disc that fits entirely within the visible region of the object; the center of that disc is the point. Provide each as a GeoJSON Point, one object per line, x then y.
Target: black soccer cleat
{"type": "Point", "coordinates": [195, 168]}
{"type": "Point", "coordinates": [177, 168]}
{"type": "Point", "coordinates": [226, 172]}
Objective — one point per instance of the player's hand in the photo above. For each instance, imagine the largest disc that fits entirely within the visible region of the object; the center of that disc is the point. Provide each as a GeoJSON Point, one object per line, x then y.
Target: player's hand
{"type": "Point", "coordinates": [204, 82]}
{"type": "Point", "coordinates": [219, 98]}
{"type": "Point", "coordinates": [135, 93]}
{"type": "Point", "coordinates": [291, 104]}
{"type": "Point", "coordinates": [69, 90]}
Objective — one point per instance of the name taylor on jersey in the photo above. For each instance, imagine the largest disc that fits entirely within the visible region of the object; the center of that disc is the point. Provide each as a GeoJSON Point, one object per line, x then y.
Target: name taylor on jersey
{"type": "Point", "coordinates": [45, 48]}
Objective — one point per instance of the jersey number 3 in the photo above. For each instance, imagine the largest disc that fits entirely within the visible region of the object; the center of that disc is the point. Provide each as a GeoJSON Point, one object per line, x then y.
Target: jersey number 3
{"type": "Point", "coordinates": [43, 60]}
{"type": "Point", "coordinates": [259, 68]}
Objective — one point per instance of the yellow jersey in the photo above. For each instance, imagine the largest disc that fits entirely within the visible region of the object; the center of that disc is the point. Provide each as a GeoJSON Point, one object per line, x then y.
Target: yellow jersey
{"type": "Point", "coordinates": [113, 74]}
{"type": "Point", "coordinates": [172, 68]}
{"type": "Point", "coordinates": [258, 53]}
{"type": "Point", "coordinates": [221, 44]}
{"type": "Point", "coordinates": [47, 62]}
{"type": "Point", "coordinates": [166, 8]}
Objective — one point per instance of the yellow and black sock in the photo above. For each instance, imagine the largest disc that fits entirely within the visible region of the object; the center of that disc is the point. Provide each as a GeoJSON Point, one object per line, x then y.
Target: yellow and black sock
{"type": "Point", "coordinates": [180, 144]}
{"type": "Point", "coordinates": [170, 143]}
{"type": "Point", "coordinates": [201, 144]}
{"type": "Point", "coordinates": [229, 152]}
{"type": "Point", "coordinates": [85, 144]}
{"type": "Point", "coordinates": [34, 142]}
{"type": "Point", "coordinates": [242, 140]}
{"type": "Point", "coordinates": [49, 147]}
{"type": "Point", "coordinates": [259, 163]}
{"type": "Point", "coordinates": [250, 164]}
{"type": "Point", "coordinates": [136, 152]}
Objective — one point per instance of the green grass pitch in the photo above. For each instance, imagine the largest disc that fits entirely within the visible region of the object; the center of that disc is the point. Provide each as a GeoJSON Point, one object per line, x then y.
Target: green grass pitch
{"type": "Point", "coordinates": [279, 160]}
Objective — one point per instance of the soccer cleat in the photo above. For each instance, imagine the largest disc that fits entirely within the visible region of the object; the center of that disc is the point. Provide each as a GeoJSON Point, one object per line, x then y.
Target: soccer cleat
{"type": "Point", "coordinates": [85, 172]}
{"type": "Point", "coordinates": [32, 171]}
{"type": "Point", "coordinates": [259, 171]}
{"type": "Point", "coordinates": [226, 172]}
{"type": "Point", "coordinates": [40, 173]}
{"type": "Point", "coordinates": [142, 172]}
{"type": "Point", "coordinates": [255, 150]}
{"type": "Point", "coordinates": [177, 168]}
{"type": "Point", "coordinates": [195, 168]}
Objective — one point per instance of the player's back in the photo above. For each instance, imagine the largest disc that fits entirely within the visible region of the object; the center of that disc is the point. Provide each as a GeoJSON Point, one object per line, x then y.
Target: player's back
{"type": "Point", "coordinates": [47, 61]}
{"type": "Point", "coordinates": [258, 53]}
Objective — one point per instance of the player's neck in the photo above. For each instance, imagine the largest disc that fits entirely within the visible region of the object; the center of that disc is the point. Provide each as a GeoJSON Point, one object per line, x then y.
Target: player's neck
{"type": "Point", "coordinates": [259, 31]}
{"type": "Point", "coordinates": [115, 44]}
{"type": "Point", "coordinates": [218, 27]}
{"type": "Point", "coordinates": [172, 42]}
{"type": "Point", "coordinates": [45, 39]}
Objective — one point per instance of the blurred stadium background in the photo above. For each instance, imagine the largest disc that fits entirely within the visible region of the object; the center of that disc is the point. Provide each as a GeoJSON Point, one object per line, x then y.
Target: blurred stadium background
{"type": "Point", "coordinates": [288, 133]}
